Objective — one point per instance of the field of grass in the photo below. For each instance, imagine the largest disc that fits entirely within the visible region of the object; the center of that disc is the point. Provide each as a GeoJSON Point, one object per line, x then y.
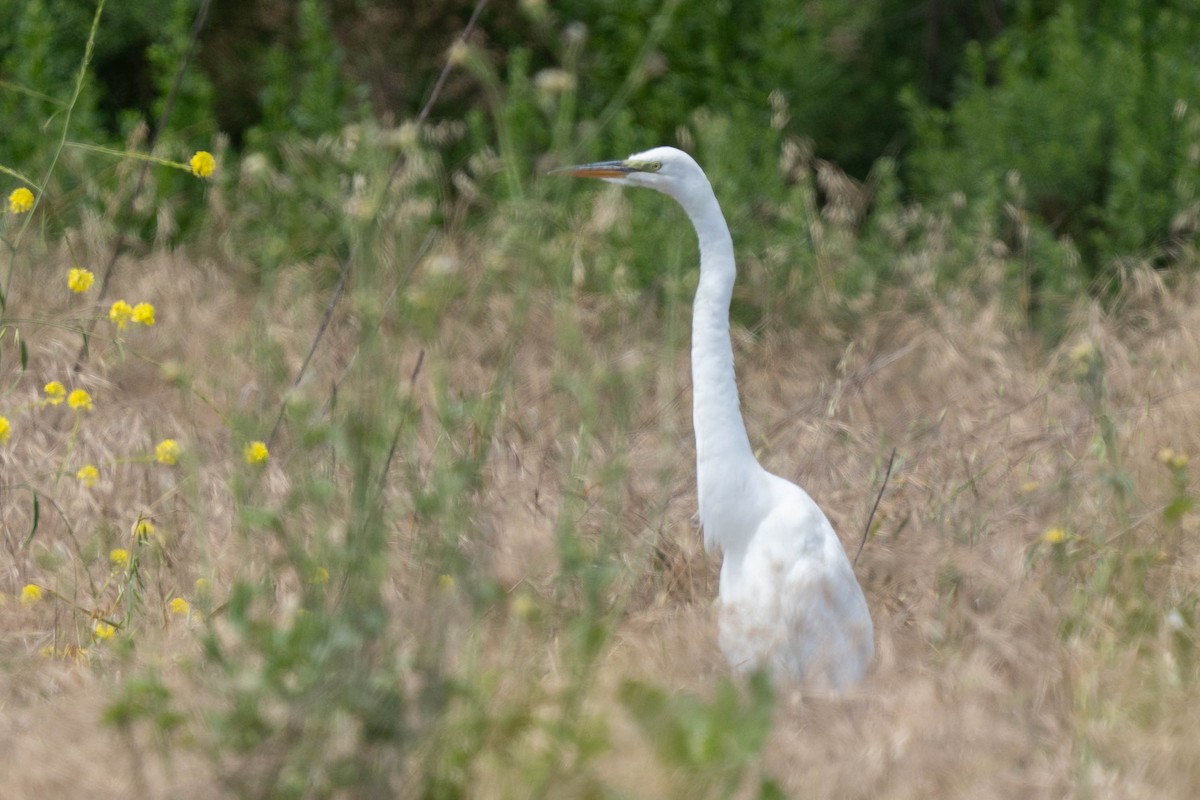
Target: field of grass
{"type": "Point", "coordinates": [470, 564]}
{"type": "Point", "coordinates": [395, 496]}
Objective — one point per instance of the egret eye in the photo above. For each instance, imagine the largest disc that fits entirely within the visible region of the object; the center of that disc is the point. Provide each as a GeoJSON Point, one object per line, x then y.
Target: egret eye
{"type": "Point", "coordinates": [645, 166]}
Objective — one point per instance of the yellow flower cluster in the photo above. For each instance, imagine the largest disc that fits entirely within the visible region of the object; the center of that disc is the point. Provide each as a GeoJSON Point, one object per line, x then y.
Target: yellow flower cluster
{"type": "Point", "coordinates": [142, 529]}
{"type": "Point", "coordinates": [80, 400]}
{"type": "Point", "coordinates": [203, 164]}
{"type": "Point", "coordinates": [88, 475]}
{"type": "Point", "coordinates": [1054, 536]}
{"type": "Point", "coordinates": [1172, 459]}
{"type": "Point", "coordinates": [167, 452]}
{"type": "Point", "coordinates": [256, 453]}
{"type": "Point", "coordinates": [55, 393]}
{"type": "Point", "coordinates": [20, 201]}
{"type": "Point", "coordinates": [80, 280]}
{"type": "Point", "coordinates": [143, 314]}
{"type": "Point", "coordinates": [121, 313]}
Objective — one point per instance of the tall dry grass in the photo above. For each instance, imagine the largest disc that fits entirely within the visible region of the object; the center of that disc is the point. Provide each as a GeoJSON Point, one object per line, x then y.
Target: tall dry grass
{"type": "Point", "coordinates": [1005, 668]}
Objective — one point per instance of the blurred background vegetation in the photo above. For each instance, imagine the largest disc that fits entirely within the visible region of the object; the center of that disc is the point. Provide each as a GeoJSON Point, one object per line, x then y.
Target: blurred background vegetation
{"type": "Point", "coordinates": [1069, 128]}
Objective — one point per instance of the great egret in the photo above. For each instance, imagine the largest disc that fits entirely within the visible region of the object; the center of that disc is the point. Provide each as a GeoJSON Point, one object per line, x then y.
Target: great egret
{"type": "Point", "coordinates": [789, 601]}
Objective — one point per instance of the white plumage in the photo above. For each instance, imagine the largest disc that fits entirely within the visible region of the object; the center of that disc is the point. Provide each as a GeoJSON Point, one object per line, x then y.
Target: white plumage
{"type": "Point", "coordinates": [789, 600]}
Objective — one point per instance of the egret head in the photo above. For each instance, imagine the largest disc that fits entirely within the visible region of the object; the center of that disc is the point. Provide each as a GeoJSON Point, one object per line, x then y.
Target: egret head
{"type": "Point", "coordinates": [670, 171]}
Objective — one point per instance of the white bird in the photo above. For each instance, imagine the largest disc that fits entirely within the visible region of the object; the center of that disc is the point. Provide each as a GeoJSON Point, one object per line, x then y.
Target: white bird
{"type": "Point", "coordinates": [789, 601]}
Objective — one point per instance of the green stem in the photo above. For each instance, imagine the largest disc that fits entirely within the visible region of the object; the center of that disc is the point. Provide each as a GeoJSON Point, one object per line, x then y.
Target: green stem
{"type": "Point", "coordinates": [109, 151]}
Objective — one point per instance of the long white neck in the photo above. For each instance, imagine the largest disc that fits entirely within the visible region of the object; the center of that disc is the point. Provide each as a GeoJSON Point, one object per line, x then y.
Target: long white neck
{"type": "Point", "coordinates": [722, 446]}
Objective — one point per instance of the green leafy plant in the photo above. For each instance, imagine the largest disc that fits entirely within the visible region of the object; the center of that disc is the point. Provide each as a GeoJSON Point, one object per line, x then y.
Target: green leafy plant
{"type": "Point", "coordinates": [712, 745]}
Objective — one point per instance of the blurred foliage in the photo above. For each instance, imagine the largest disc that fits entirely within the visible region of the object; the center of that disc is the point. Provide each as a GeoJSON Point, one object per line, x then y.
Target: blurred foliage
{"type": "Point", "coordinates": [1094, 106]}
{"type": "Point", "coordinates": [711, 744]}
{"type": "Point", "coordinates": [41, 46]}
{"type": "Point", "coordinates": [840, 65]}
{"type": "Point", "coordinates": [1067, 131]}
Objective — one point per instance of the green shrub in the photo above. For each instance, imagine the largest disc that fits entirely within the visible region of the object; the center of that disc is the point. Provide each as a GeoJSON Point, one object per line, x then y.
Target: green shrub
{"type": "Point", "coordinates": [1095, 109]}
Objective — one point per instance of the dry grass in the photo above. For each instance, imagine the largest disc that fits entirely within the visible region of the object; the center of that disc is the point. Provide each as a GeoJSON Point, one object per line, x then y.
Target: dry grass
{"type": "Point", "coordinates": [977, 691]}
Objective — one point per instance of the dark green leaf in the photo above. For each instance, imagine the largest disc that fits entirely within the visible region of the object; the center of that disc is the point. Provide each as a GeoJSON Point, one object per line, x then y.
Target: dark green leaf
{"type": "Point", "coordinates": [37, 514]}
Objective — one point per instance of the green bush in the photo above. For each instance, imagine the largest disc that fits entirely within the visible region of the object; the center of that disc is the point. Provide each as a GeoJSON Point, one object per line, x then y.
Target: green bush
{"type": "Point", "coordinates": [839, 66]}
{"type": "Point", "coordinates": [1095, 110]}
{"type": "Point", "coordinates": [42, 41]}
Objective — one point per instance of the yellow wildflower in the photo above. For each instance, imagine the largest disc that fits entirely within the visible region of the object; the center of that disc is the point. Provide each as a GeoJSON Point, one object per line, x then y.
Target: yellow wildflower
{"type": "Point", "coordinates": [20, 201]}
{"type": "Point", "coordinates": [88, 475]}
{"type": "Point", "coordinates": [522, 605]}
{"type": "Point", "coordinates": [203, 586]}
{"type": "Point", "coordinates": [80, 280]}
{"type": "Point", "coordinates": [1172, 459]}
{"type": "Point", "coordinates": [445, 582]}
{"type": "Point", "coordinates": [167, 452]}
{"type": "Point", "coordinates": [179, 606]}
{"type": "Point", "coordinates": [143, 314]}
{"type": "Point", "coordinates": [142, 529]}
{"type": "Point", "coordinates": [203, 164]}
{"type": "Point", "coordinates": [120, 313]}
{"type": "Point", "coordinates": [55, 393]}
{"type": "Point", "coordinates": [256, 453]}
{"type": "Point", "coordinates": [320, 576]}
{"type": "Point", "coordinates": [119, 556]}
{"type": "Point", "coordinates": [31, 594]}
{"type": "Point", "coordinates": [80, 400]}
{"type": "Point", "coordinates": [103, 631]}
{"type": "Point", "coordinates": [5, 430]}
{"type": "Point", "coordinates": [1085, 358]}
{"type": "Point", "coordinates": [1083, 352]}
{"type": "Point", "coordinates": [1054, 536]}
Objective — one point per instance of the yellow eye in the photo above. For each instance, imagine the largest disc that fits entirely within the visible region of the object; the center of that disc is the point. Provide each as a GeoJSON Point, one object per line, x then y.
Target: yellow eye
{"type": "Point", "coordinates": [645, 166]}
